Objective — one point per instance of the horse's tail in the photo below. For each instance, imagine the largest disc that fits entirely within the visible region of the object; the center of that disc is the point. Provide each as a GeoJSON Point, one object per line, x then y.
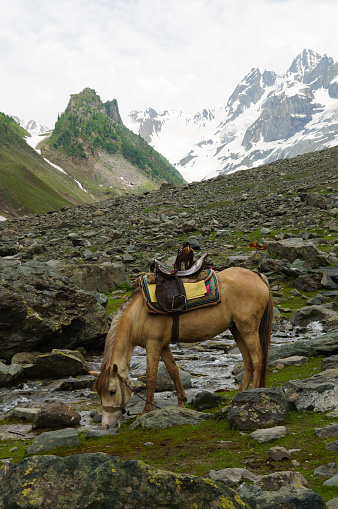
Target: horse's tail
{"type": "Point", "coordinates": [265, 329]}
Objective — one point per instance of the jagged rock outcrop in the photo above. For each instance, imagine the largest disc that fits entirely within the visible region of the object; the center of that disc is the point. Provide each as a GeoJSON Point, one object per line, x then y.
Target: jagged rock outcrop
{"type": "Point", "coordinates": [41, 309]}
{"type": "Point", "coordinates": [100, 480]}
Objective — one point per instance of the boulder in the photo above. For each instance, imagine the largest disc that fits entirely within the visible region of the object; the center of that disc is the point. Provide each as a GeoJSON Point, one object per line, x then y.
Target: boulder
{"type": "Point", "coordinates": [42, 309]}
{"type": "Point", "coordinates": [9, 375]}
{"type": "Point", "coordinates": [169, 416]}
{"type": "Point", "coordinates": [56, 364]}
{"type": "Point", "coordinates": [329, 363]}
{"type": "Point", "coordinates": [289, 496]}
{"type": "Point", "coordinates": [47, 441]}
{"type": "Point", "coordinates": [93, 277]}
{"type": "Point", "coordinates": [291, 249]}
{"type": "Point", "coordinates": [54, 415]}
{"type": "Point", "coordinates": [100, 480]}
{"type": "Point", "coordinates": [304, 316]}
{"type": "Point", "coordinates": [325, 344]}
{"type": "Point", "coordinates": [279, 453]}
{"type": "Point", "coordinates": [205, 399]}
{"type": "Point", "coordinates": [165, 383]}
{"type": "Point", "coordinates": [331, 430]}
{"type": "Point", "coordinates": [268, 434]}
{"type": "Point", "coordinates": [319, 392]}
{"type": "Point", "coordinates": [231, 476]}
{"type": "Point", "coordinates": [258, 408]}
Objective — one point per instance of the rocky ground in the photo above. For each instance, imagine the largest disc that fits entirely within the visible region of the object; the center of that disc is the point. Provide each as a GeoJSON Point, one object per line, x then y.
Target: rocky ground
{"type": "Point", "coordinates": [60, 269]}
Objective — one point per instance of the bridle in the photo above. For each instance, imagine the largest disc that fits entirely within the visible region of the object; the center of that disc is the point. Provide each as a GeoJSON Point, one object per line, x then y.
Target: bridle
{"type": "Point", "coordinates": [123, 384]}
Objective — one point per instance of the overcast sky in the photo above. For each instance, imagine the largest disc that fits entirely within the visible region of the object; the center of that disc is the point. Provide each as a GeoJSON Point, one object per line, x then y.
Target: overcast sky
{"type": "Point", "coordinates": [167, 54]}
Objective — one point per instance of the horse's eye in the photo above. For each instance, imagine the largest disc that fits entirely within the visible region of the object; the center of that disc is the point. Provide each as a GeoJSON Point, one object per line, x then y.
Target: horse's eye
{"type": "Point", "coordinates": [112, 392]}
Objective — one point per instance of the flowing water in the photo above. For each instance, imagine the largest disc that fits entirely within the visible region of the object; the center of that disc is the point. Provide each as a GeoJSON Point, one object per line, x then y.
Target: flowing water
{"type": "Point", "coordinates": [209, 363]}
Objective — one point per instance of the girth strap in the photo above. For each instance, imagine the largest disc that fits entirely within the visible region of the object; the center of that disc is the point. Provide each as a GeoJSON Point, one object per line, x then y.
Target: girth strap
{"type": "Point", "coordinates": [175, 336]}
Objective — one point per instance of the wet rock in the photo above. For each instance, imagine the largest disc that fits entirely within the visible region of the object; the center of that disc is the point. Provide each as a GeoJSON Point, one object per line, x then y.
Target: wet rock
{"type": "Point", "coordinates": [169, 416]}
{"type": "Point", "coordinates": [279, 453]}
{"type": "Point", "coordinates": [25, 414]}
{"type": "Point", "coordinates": [165, 383]}
{"type": "Point", "coordinates": [303, 348]}
{"type": "Point", "coordinates": [50, 439]}
{"type": "Point", "coordinates": [304, 316]}
{"type": "Point", "coordinates": [294, 360]}
{"type": "Point", "coordinates": [268, 434]}
{"type": "Point", "coordinates": [257, 408]}
{"type": "Point", "coordinates": [325, 344]}
{"type": "Point", "coordinates": [57, 364]}
{"type": "Point", "coordinates": [56, 414]}
{"type": "Point", "coordinates": [205, 399]}
{"type": "Point", "coordinates": [329, 363]}
{"type": "Point", "coordinates": [9, 375]}
{"type": "Point", "coordinates": [231, 476]}
{"type": "Point", "coordinates": [318, 392]}
{"type": "Point", "coordinates": [331, 430]}
{"type": "Point", "coordinates": [100, 480]}
{"type": "Point", "coordinates": [41, 309]}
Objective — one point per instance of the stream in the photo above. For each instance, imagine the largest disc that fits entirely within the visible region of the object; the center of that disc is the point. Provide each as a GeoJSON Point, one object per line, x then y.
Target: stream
{"type": "Point", "coordinates": [209, 363]}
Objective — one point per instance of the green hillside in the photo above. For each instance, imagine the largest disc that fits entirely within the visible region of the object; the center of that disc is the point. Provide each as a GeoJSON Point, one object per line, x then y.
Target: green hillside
{"type": "Point", "coordinates": [90, 130]}
{"type": "Point", "coordinates": [27, 183]}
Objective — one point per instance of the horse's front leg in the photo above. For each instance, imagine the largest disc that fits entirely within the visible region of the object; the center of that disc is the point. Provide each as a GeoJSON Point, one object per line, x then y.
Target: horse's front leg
{"type": "Point", "coordinates": [173, 371]}
{"type": "Point", "coordinates": [153, 357]}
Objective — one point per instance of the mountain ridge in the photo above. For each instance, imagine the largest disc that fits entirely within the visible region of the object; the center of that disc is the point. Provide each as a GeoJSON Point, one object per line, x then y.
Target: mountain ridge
{"type": "Point", "coordinates": [267, 117]}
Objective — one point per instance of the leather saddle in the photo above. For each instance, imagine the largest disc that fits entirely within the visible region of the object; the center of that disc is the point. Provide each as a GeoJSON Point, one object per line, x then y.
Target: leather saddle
{"type": "Point", "coordinates": [170, 292]}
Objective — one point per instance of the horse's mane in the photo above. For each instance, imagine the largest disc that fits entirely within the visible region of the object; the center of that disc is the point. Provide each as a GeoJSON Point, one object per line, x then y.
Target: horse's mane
{"type": "Point", "coordinates": [102, 380]}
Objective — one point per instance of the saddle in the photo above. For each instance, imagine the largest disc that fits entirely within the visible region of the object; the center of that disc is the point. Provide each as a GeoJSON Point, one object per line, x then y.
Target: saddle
{"type": "Point", "coordinates": [170, 292]}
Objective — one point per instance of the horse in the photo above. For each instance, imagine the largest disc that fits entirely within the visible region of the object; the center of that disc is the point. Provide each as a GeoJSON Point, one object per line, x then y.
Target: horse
{"type": "Point", "coordinates": [246, 309]}
{"type": "Point", "coordinates": [185, 254]}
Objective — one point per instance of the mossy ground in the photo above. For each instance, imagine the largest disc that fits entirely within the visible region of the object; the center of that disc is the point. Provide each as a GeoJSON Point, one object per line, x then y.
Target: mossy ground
{"type": "Point", "coordinates": [214, 445]}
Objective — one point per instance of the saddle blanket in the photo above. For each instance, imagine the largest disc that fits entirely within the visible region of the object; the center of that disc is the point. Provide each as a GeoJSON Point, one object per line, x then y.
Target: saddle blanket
{"type": "Point", "coordinates": [199, 294]}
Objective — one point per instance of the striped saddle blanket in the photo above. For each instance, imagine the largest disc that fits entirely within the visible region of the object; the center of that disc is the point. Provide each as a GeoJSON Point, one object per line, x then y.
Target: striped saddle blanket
{"type": "Point", "coordinates": [200, 291]}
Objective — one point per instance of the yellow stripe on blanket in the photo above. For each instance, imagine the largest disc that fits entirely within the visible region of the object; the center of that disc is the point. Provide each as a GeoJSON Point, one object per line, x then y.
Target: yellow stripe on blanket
{"type": "Point", "coordinates": [192, 290]}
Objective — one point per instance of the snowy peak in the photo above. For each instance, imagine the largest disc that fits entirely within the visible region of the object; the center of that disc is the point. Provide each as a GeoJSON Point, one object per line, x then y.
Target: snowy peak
{"type": "Point", "coordinates": [267, 117]}
{"type": "Point", "coordinates": [309, 65]}
{"type": "Point", "coordinates": [32, 127]}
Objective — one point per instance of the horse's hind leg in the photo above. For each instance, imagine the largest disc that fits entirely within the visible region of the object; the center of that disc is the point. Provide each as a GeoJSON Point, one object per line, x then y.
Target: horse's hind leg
{"type": "Point", "coordinates": [248, 367]}
{"type": "Point", "coordinates": [173, 371]}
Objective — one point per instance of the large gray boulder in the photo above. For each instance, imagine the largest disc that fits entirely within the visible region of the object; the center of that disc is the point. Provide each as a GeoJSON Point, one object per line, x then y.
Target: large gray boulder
{"type": "Point", "coordinates": [258, 408]}
{"type": "Point", "coordinates": [308, 314]}
{"type": "Point", "coordinates": [95, 277]}
{"type": "Point", "coordinates": [41, 309]}
{"type": "Point", "coordinates": [101, 481]}
{"type": "Point", "coordinates": [291, 249]}
{"type": "Point", "coordinates": [319, 392]}
{"type": "Point", "coordinates": [169, 416]}
{"type": "Point", "coordinates": [55, 364]}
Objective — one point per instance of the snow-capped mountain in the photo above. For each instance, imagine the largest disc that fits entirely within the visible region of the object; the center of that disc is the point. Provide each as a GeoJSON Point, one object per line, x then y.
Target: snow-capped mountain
{"type": "Point", "coordinates": [267, 117]}
{"type": "Point", "coordinates": [31, 126]}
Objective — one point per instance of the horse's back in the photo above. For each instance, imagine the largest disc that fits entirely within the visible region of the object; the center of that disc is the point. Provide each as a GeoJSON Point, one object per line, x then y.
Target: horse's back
{"type": "Point", "coordinates": [243, 289]}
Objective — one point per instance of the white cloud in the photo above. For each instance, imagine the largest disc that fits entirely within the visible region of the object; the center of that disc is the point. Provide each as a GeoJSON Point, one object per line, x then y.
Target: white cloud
{"type": "Point", "coordinates": [174, 54]}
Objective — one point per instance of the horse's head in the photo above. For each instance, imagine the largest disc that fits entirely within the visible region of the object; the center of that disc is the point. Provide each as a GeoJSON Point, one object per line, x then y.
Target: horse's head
{"type": "Point", "coordinates": [114, 393]}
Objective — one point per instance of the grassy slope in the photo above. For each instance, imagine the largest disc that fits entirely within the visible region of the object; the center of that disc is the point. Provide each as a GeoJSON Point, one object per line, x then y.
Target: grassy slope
{"type": "Point", "coordinates": [27, 183]}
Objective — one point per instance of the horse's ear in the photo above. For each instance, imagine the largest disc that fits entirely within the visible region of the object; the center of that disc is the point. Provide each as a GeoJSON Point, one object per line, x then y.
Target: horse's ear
{"type": "Point", "coordinates": [94, 373]}
{"type": "Point", "coordinates": [115, 369]}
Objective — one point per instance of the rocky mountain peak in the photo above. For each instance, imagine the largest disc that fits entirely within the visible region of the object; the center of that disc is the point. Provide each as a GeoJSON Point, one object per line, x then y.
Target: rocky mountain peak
{"type": "Point", "coordinates": [307, 62]}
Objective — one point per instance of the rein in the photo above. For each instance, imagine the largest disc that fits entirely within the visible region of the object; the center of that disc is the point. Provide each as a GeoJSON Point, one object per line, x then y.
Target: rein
{"type": "Point", "coordinates": [123, 382]}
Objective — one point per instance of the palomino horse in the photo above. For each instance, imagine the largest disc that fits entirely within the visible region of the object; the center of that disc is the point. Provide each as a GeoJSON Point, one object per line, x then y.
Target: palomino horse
{"type": "Point", "coordinates": [246, 309]}
{"type": "Point", "coordinates": [185, 254]}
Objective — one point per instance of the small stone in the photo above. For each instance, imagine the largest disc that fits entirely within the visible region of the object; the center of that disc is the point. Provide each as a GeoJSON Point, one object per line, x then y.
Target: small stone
{"type": "Point", "coordinates": [279, 453]}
